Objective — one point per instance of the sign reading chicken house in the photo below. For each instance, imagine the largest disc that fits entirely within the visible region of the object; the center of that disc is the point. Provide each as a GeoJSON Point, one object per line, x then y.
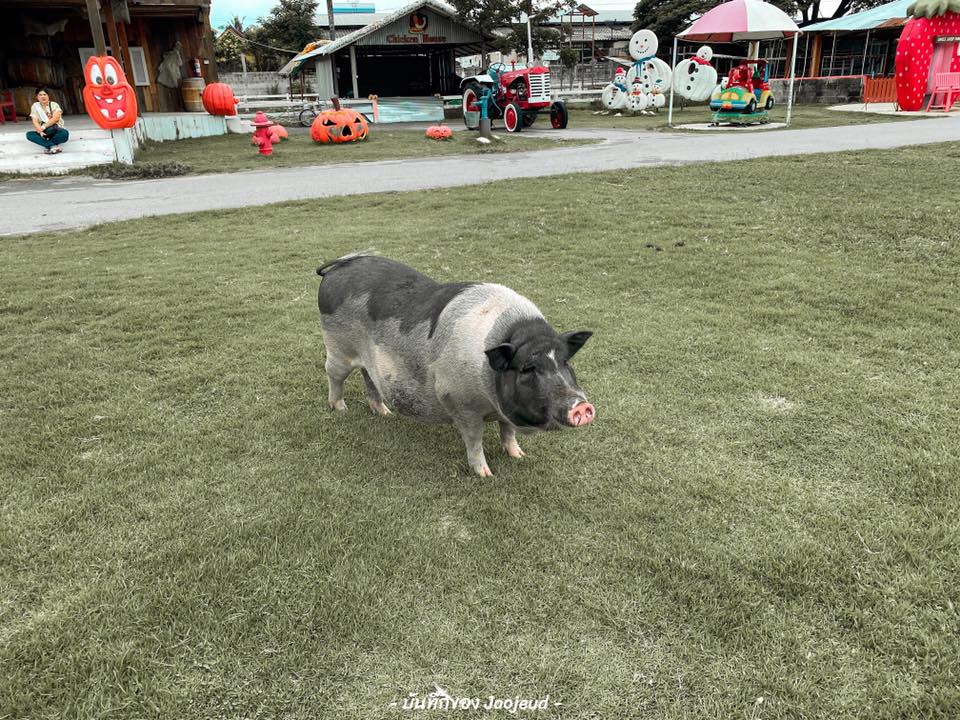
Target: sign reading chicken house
{"type": "Point", "coordinates": [416, 33]}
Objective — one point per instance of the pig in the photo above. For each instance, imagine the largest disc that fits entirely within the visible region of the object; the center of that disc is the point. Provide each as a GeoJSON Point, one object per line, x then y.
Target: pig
{"type": "Point", "coordinates": [457, 353]}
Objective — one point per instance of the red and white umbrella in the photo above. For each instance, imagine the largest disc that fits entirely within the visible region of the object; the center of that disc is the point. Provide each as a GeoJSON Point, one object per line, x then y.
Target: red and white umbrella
{"type": "Point", "coordinates": [741, 20]}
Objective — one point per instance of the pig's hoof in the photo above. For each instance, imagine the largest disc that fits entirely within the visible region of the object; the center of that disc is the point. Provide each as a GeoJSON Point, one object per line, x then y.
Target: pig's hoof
{"type": "Point", "coordinates": [378, 408]}
{"type": "Point", "coordinates": [513, 450]}
{"type": "Point", "coordinates": [483, 470]}
{"type": "Point", "coordinates": [339, 406]}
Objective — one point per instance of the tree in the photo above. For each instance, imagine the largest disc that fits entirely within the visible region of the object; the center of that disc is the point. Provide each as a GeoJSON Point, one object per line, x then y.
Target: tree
{"type": "Point", "coordinates": [227, 49]}
{"type": "Point", "coordinates": [485, 16]}
{"type": "Point", "coordinates": [812, 11]}
{"type": "Point", "coordinates": [668, 17]}
{"type": "Point", "coordinates": [288, 28]}
{"type": "Point", "coordinates": [540, 37]}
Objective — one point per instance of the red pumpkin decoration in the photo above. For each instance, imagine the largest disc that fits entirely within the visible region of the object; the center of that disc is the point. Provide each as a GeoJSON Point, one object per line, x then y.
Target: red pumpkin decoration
{"type": "Point", "coordinates": [339, 126]}
{"type": "Point", "coordinates": [439, 132]}
{"type": "Point", "coordinates": [218, 99]}
{"type": "Point", "coordinates": [107, 96]}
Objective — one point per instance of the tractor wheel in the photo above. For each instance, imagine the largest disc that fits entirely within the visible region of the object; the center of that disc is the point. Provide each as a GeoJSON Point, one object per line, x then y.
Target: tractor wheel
{"type": "Point", "coordinates": [512, 118]}
{"type": "Point", "coordinates": [558, 115]}
{"type": "Point", "coordinates": [471, 104]}
{"type": "Point", "coordinates": [529, 119]}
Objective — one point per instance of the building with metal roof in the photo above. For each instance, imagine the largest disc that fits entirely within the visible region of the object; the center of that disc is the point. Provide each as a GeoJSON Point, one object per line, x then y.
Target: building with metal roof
{"type": "Point", "coordinates": [409, 52]}
{"type": "Point", "coordinates": [864, 43]}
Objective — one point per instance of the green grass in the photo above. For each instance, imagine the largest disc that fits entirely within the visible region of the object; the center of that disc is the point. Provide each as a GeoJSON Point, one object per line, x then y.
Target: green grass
{"type": "Point", "coordinates": [231, 153]}
{"type": "Point", "coordinates": [804, 116]}
{"type": "Point", "coordinates": [762, 523]}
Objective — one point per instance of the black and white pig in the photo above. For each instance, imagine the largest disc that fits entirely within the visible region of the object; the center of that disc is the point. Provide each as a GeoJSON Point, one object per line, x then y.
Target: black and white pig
{"type": "Point", "coordinates": [460, 353]}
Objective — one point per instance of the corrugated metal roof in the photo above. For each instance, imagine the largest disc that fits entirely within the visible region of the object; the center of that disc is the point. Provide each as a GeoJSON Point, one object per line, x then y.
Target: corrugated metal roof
{"type": "Point", "coordinates": [883, 16]}
{"type": "Point", "coordinates": [349, 20]}
{"type": "Point", "coordinates": [603, 32]}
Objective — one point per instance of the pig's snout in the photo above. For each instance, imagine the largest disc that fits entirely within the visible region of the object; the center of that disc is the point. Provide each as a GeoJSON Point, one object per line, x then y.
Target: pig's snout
{"type": "Point", "coordinates": [581, 414]}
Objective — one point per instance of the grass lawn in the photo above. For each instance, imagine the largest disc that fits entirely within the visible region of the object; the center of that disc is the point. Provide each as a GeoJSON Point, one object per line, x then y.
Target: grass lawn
{"type": "Point", "coordinates": [230, 153]}
{"type": "Point", "coordinates": [804, 116]}
{"type": "Point", "coordinates": [762, 523]}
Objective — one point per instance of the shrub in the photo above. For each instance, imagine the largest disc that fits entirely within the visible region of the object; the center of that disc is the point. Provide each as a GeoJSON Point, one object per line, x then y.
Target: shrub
{"type": "Point", "coordinates": [139, 171]}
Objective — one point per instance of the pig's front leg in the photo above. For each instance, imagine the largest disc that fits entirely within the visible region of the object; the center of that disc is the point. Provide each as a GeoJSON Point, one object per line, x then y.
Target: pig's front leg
{"type": "Point", "coordinates": [508, 438]}
{"type": "Point", "coordinates": [472, 433]}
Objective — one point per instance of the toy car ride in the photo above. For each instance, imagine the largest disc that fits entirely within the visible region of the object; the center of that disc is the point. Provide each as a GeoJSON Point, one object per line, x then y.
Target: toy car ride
{"type": "Point", "coordinates": [744, 97]}
{"type": "Point", "coordinates": [516, 96]}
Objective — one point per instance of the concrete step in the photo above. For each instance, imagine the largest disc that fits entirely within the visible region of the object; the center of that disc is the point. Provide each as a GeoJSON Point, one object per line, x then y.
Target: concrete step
{"type": "Point", "coordinates": [86, 146]}
{"type": "Point", "coordinates": [59, 164]}
{"type": "Point", "coordinates": [24, 147]}
{"type": "Point", "coordinates": [13, 135]}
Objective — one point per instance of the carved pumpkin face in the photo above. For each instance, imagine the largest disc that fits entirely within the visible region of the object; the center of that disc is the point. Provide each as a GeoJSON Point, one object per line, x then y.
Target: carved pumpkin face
{"type": "Point", "coordinates": [339, 126]}
{"type": "Point", "coordinates": [107, 95]}
{"type": "Point", "coordinates": [439, 132]}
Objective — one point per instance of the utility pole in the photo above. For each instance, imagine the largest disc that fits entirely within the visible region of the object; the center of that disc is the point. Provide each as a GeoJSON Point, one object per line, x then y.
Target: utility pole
{"type": "Point", "coordinates": [96, 27]}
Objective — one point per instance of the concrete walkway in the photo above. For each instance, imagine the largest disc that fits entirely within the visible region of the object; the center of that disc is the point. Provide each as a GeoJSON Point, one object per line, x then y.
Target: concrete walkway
{"type": "Point", "coordinates": [60, 204]}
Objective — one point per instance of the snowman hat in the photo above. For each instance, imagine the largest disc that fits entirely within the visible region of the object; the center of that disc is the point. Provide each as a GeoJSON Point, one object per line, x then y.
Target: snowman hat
{"type": "Point", "coordinates": [261, 120]}
{"type": "Point", "coordinates": [619, 70]}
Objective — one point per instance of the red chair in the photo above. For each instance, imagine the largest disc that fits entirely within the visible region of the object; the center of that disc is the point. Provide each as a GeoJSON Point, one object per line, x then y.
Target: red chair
{"type": "Point", "coordinates": [6, 101]}
{"type": "Point", "coordinates": [948, 85]}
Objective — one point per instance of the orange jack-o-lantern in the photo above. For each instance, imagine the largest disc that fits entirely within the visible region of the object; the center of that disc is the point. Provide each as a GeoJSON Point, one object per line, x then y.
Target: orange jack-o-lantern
{"type": "Point", "coordinates": [218, 99]}
{"type": "Point", "coordinates": [107, 96]}
{"type": "Point", "coordinates": [439, 132]}
{"type": "Point", "coordinates": [339, 126]}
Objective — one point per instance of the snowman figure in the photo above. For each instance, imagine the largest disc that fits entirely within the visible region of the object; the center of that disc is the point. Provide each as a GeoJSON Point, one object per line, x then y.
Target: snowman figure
{"type": "Point", "coordinates": [638, 100]}
{"type": "Point", "coordinates": [614, 95]}
{"type": "Point", "coordinates": [653, 72]}
{"type": "Point", "coordinates": [694, 78]}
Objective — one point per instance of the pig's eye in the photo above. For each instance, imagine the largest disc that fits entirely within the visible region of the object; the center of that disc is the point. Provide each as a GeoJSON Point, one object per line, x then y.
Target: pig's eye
{"type": "Point", "coordinates": [527, 369]}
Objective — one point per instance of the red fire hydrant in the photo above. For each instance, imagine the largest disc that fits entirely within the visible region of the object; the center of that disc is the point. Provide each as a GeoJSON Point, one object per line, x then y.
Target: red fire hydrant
{"type": "Point", "coordinates": [261, 136]}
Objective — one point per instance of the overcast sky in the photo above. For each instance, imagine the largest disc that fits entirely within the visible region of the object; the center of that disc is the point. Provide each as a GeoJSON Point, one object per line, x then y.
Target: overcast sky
{"type": "Point", "coordinates": [250, 10]}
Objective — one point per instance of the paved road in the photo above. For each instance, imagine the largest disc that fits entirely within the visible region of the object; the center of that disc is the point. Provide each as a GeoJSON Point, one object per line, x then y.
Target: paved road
{"type": "Point", "coordinates": [58, 204]}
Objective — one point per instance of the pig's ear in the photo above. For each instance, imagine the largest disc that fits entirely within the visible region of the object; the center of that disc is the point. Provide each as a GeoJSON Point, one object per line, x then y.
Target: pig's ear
{"type": "Point", "coordinates": [575, 340]}
{"type": "Point", "coordinates": [500, 356]}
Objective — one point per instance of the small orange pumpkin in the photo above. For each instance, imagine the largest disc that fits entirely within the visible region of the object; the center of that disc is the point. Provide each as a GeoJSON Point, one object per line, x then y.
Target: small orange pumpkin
{"type": "Point", "coordinates": [278, 133]}
{"type": "Point", "coordinates": [218, 99]}
{"type": "Point", "coordinates": [439, 132]}
{"type": "Point", "coordinates": [339, 126]}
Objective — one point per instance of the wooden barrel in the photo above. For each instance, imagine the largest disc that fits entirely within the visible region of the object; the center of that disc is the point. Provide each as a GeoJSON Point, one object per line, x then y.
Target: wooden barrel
{"type": "Point", "coordinates": [37, 45]}
{"type": "Point", "coordinates": [192, 91]}
{"type": "Point", "coordinates": [24, 98]}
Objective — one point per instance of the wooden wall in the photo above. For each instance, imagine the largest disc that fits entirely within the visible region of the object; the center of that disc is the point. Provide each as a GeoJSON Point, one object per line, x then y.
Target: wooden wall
{"type": "Point", "coordinates": [30, 60]}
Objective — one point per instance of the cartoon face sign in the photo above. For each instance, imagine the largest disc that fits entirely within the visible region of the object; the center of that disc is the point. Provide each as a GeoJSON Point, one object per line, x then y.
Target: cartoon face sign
{"type": "Point", "coordinates": [643, 44]}
{"type": "Point", "coordinates": [107, 96]}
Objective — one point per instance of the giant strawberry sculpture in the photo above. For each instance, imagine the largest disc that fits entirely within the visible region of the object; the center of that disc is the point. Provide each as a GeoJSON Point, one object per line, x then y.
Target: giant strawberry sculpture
{"type": "Point", "coordinates": [931, 19]}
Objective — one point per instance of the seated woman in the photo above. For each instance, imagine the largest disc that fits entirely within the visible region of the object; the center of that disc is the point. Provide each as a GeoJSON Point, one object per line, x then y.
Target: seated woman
{"type": "Point", "coordinates": [47, 120]}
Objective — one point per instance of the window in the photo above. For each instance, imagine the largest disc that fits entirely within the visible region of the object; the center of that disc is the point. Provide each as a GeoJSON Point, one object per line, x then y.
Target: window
{"type": "Point", "coordinates": [140, 73]}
